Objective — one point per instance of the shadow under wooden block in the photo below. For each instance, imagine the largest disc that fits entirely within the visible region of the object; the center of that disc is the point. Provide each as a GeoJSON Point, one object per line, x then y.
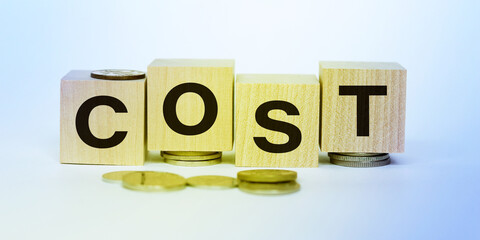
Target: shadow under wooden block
{"type": "Point", "coordinates": [363, 107]}
{"type": "Point", "coordinates": [277, 120]}
{"type": "Point", "coordinates": [228, 157]}
{"type": "Point", "coordinates": [190, 105]}
{"type": "Point", "coordinates": [101, 121]}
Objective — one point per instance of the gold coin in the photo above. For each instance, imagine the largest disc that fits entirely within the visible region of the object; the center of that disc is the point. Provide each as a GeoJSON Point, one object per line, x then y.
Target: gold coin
{"type": "Point", "coordinates": [267, 175]}
{"type": "Point", "coordinates": [154, 181]}
{"type": "Point", "coordinates": [269, 188]}
{"type": "Point", "coordinates": [191, 153]}
{"type": "Point", "coordinates": [216, 155]}
{"type": "Point", "coordinates": [115, 177]}
{"type": "Point", "coordinates": [117, 74]}
{"type": "Point", "coordinates": [193, 163]}
{"type": "Point", "coordinates": [212, 182]}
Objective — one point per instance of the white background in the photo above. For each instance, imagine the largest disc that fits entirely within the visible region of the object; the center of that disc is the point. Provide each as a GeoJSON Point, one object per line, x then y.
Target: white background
{"type": "Point", "coordinates": [429, 192]}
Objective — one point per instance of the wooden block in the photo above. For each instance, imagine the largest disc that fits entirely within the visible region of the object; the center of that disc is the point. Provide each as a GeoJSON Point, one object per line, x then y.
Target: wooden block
{"type": "Point", "coordinates": [277, 120]}
{"type": "Point", "coordinates": [363, 107]}
{"type": "Point", "coordinates": [190, 105]}
{"type": "Point", "coordinates": [101, 121]}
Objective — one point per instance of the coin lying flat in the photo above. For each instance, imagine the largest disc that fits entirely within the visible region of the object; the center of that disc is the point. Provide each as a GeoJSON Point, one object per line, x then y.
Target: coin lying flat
{"type": "Point", "coordinates": [115, 177]}
{"type": "Point", "coordinates": [361, 164]}
{"type": "Point", "coordinates": [191, 153]}
{"type": "Point", "coordinates": [191, 163]}
{"type": "Point", "coordinates": [215, 155]}
{"type": "Point", "coordinates": [117, 74]}
{"type": "Point", "coordinates": [267, 175]}
{"type": "Point", "coordinates": [269, 188]}
{"type": "Point", "coordinates": [212, 182]}
{"type": "Point", "coordinates": [154, 181]}
{"type": "Point", "coordinates": [356, 157]}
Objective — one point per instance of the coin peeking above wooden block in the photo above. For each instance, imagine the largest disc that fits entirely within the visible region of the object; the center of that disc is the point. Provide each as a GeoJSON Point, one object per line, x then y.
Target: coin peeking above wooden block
{"type": "Point", "coordinates": [102, 121]}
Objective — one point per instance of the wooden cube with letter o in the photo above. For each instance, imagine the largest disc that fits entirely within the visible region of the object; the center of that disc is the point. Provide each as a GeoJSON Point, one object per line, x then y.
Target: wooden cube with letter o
{"type": "Point", "coordinates": [363, 107]}
{"type": "Point", "coordinates": [102, 121]}
{"type": "Point", "coordinates": [277, 120]}
{"type": "Point", "coordinates": [190, 104]}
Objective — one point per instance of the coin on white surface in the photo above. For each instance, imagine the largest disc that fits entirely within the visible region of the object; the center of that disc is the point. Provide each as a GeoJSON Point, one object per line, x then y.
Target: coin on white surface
{"type": "Point", "coordinates": [212, 182]}
{"type": "Point", "coordinates": [267, 175]}
{"type": "Point", "coordinates": [269, 188]}
{"type": "Point", "coordinates": [154, 181]}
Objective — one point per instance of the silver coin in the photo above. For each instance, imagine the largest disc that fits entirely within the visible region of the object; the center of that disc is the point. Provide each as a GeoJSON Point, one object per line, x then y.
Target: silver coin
{"type": "Point", "coordinates": [361, 164]}
{"type": "Point", "coordinates": [359, 158]}
{"type": "Point", "coordinates": [117, 74]}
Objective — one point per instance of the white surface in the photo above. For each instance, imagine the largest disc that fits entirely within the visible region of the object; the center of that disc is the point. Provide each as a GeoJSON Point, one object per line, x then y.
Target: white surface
{"type": "Point", "coordinates": [430, 192]}
{"type": "Point", "coordinates": [417, 197]}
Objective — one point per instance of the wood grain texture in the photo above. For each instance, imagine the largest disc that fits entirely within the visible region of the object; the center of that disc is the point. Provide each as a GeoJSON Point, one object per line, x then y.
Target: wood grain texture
{"type": "Point", "coordinates": [303, 91]}
{"type": "Point", "coordinates": [339, 113]}
{"type": "Point", "coordinates": [216, 75]}
{"type": "Point", "coordinates": [76, 88]}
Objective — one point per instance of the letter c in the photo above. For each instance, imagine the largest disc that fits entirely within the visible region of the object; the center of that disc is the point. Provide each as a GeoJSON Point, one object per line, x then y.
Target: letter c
{"type": "Point", "coordinates": [83, 129]}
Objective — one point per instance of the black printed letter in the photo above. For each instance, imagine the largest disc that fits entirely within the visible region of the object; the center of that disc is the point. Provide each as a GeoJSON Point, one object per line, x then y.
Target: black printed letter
{"type": "Point", "coordinates": [363, 94]}
{"type": "Point", "coordinates": [170, 109]}
{"type": "Point", "coordinates": [294, 134]}
{"type": "Point", "coordinates": [83, 129]}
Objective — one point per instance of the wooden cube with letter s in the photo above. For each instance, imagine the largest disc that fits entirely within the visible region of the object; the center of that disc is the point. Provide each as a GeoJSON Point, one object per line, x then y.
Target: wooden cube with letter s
{"type": "Point", "coordinates": [277, 120]}
{"type": "Point", "coordinates": [102, 121]}
{"type": "Point", "coordinates": [363, 107]}
{"type": "Point", "coordinates": [190, 105]}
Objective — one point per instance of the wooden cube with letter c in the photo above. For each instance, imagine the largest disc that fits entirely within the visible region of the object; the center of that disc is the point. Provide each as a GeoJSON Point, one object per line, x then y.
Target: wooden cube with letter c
{"type": "Point", "coordinates": [277, 120]}
{"type": "Point", "coordinates": [190, 104]}
{"type": "Point", "coordinates": [102, 121]}
{"type": "Point", "coordinates": [363, 107]}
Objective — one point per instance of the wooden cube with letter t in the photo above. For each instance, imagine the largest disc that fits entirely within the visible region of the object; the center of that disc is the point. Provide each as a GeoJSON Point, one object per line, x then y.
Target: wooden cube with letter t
{"type": "Point", "coordinates": [102, 121]}
{"type": "Point", "coordinates": [363, 107]}
{"type": "Point", "coordinates": [277, 120]}
{"type": "Point", "coordinates": [190, 105]}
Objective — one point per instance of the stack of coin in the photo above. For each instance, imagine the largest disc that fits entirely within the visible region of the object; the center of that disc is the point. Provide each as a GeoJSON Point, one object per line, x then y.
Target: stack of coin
{"type": "Point", "coordinates": [268, 182]}
{"type": "Point", "coordinates": [360, 159]}
{"type": "Point", "coordinates": [192, 159]}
